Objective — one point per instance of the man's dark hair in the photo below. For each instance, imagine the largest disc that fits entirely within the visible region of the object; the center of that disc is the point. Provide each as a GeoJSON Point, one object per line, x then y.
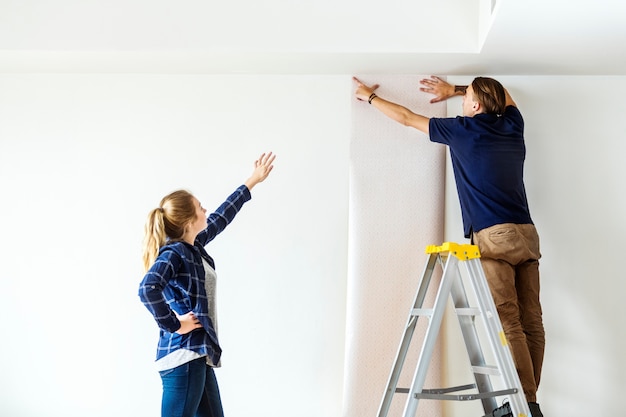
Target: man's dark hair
{"type": "Point", "coordinates": [490, 93]}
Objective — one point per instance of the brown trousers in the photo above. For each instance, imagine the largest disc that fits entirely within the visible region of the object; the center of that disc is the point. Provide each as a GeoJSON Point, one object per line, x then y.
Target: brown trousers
{"type": "Point", "coordinates": [510, 258]}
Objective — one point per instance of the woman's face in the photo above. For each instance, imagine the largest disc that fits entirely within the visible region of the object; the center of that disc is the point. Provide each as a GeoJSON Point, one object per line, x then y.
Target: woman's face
{"type": "Point", "coordinates": [199, 223]}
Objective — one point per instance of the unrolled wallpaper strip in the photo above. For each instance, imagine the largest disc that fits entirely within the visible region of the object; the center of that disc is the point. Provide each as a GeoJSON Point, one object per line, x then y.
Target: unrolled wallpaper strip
{"type": "Point", "coordinates": [396, 210]}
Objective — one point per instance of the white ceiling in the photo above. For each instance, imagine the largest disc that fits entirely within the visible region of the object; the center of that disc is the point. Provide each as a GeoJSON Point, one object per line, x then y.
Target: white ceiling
{"type": "Point", "coordinates": [452, 37]}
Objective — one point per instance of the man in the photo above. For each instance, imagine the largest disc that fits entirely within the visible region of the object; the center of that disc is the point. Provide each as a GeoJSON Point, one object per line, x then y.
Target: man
{"type": "Point", "coordinates": [487, 150]}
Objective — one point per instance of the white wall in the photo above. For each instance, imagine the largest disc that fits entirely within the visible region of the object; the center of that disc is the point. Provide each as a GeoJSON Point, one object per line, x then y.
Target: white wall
{"type": "Point", "coordinates": [84, 157]}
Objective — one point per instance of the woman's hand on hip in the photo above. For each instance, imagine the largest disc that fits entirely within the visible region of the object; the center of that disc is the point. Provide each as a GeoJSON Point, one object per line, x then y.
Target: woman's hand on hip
{"type": "Point", "coordinates": [188, 323]}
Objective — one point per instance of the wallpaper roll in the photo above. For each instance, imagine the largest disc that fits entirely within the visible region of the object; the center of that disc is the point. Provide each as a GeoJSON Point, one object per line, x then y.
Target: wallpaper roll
{"type": "Point", "coordinates": [396, 210]}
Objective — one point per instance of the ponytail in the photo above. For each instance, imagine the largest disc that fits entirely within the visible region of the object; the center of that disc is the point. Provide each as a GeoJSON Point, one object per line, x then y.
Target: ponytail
{"type": "Point", "coordinates": [167, 222]}
{"type": "Point", "coordinates": [154, 237]}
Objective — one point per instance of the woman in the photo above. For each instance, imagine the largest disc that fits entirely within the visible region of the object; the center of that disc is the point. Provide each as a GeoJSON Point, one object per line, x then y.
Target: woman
{"type": "Point", "coordinates": [179, 290]}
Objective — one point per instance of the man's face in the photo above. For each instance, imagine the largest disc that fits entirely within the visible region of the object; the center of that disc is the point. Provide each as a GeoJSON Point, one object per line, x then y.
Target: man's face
{"type": "Point", "coordinates": [470, 106]}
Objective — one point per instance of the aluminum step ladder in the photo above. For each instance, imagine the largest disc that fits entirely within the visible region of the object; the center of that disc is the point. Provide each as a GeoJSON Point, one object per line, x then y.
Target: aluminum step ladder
{"type": "Point", "coordinates": [450, 256]}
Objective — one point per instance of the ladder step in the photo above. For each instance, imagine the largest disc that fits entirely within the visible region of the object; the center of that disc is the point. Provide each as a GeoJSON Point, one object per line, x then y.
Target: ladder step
{"type": "Point", "coordinates": [468, 311]}
{"type": "Point", "coordinates": [486, 370]}
{"type": "Point", "coordinates": [439, 390]}
{"type": "Point", "coordinates": [428, 312]}
{"type": "Point", "coordinates": [448, 390]}
{"type": "Point", "coordinates": [464, 397]}
{"type": "Point", "coordinates": [443, 393]}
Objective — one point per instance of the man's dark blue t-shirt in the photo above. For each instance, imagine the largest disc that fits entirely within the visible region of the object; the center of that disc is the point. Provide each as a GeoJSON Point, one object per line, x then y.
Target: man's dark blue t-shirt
{"type": "Point", "coordinates": [488, 155]}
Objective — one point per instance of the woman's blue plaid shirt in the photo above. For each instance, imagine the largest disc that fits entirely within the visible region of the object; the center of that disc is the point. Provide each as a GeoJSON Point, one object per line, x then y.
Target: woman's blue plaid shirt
{"type": "Point", "coordinates": [175, 283]}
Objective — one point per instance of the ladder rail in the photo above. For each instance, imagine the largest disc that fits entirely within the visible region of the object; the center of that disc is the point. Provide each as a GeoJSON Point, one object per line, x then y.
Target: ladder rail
{"type": "Point", "coordinates": [430, 337]}
{"type": "Point", "coordinates": [472, 342]}
{"type": "Point", "coordinates": [418, 302]}
{"type": "Point", "coordinates": [501, 350]}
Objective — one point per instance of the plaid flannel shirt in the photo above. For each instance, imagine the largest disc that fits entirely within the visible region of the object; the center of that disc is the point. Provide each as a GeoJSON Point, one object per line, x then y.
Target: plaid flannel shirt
{"type": "Point", "coordinates": [175, 283]}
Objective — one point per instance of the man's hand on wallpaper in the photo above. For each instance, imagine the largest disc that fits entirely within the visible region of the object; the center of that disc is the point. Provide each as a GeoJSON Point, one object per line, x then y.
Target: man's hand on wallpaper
{"type": "Point", "coordinates": [440, 88]}
{"type": "Point", "coordinates": [363, 92]}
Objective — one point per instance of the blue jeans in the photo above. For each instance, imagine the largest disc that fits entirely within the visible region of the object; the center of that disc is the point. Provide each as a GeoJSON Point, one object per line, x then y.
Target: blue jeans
{"type": "Point", "coordinates": [190, 390]}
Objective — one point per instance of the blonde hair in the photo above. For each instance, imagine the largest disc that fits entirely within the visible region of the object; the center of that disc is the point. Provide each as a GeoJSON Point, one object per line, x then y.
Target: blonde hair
{"type": "Point", "coordinates": [490, 93]}
{"type": "Point", "coordinates": [168, 221]}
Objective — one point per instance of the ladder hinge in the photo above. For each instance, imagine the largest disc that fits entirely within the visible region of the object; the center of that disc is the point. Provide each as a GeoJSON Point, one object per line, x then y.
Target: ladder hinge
{"type": "Point", "coordinates": [463, 252]}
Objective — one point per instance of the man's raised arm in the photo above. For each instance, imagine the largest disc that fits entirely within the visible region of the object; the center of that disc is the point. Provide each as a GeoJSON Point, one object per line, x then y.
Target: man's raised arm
{"type": "Point", "coordinates": [392, 110]}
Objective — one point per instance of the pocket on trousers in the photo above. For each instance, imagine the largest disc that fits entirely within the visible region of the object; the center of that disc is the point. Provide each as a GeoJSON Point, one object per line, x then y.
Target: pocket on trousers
{"type": "Point", "coordinates": [498, 242]}
{"type": "Point", "coordinates": [167, 372]}
{"type": "Point", "coordinates": [503, 234]}
{"type": "Point", "coordinates": [180, 369]}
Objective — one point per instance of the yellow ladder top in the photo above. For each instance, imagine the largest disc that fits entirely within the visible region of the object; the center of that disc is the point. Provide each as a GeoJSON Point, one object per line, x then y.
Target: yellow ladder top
{"type": "Point", "coordinates": [463, 252]}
